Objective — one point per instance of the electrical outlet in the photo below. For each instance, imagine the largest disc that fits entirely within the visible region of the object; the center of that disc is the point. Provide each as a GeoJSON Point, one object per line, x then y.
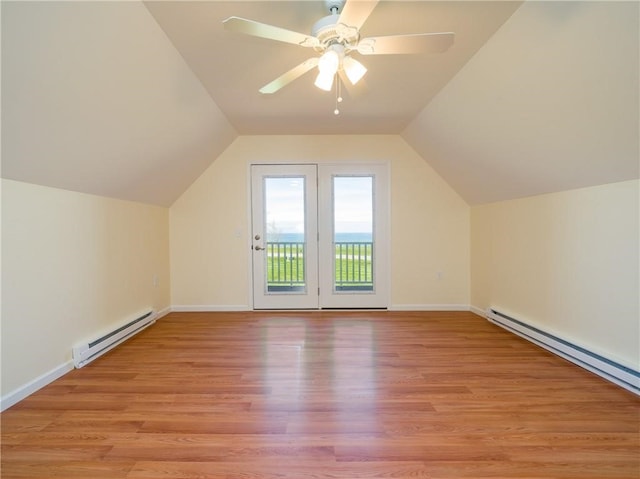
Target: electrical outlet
{"type": "Point", "coordinates": [156, 282]}
{"type": "Point", "coordinates": [439, 275]}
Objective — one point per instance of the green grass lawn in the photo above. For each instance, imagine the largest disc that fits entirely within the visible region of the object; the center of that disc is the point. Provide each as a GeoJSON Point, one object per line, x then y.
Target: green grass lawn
{"type": "Point", "coordinates": [353, 267]}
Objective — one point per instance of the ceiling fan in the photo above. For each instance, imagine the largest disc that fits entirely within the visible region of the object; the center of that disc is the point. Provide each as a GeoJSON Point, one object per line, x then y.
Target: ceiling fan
{"type": "Point", "coordinates": [334, 38]}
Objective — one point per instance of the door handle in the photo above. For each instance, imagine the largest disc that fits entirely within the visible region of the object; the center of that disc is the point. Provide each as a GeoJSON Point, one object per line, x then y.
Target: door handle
{"type": "Point", "coordinates": [258, 248]}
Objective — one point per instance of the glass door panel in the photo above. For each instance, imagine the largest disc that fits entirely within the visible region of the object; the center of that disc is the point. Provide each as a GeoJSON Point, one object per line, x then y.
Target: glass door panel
{"type": "Point", "coordinates": [353, 233]}
{"type": "Point", "coordinates": [353, 202]}
{"type": "Point", "coordinates": [285, 239]}
{"type": "Point", "coordinates": [284, 236]}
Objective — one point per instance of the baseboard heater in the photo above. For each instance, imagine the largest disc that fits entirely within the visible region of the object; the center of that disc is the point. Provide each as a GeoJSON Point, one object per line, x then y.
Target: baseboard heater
{"type": "Point", "coordinates": [86, 352]}
{"type": "Point", "coordinates": [606, 368]}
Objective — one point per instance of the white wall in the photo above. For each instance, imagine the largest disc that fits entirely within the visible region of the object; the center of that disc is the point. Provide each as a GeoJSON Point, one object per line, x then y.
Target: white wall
{"type": "Point", "coordinates": [209, 222]}
{"type": "Point", "coordinates": [72, 265]}
{"type": "Point", "coordinates": [566, 263]}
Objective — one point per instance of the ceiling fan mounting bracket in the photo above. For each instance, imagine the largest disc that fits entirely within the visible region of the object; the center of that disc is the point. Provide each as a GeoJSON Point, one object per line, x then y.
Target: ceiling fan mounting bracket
{"type": "Point", "coordinates": [334, 6]}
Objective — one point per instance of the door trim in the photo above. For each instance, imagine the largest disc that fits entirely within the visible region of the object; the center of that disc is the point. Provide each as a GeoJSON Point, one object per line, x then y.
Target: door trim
{"type": "Point", "coordinates": [384, 194]}
{"type": "Point", "coordinates": [309, 297]}
{"type": "Point", "coordinates": [330, 299]}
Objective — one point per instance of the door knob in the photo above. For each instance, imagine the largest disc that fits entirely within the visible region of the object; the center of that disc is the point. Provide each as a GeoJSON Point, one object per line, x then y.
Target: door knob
{"type": "Point", "coordinates": [258, 248]}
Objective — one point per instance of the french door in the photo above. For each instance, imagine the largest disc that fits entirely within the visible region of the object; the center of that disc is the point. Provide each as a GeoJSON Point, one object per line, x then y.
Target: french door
{"type": "Point", "coordinates": [284, 236]}
{"type": "Point", "coordinates": [319, 236]}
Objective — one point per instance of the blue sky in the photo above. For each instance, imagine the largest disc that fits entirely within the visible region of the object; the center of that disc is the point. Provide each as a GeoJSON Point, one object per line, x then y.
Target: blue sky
{"type": "Point", "coordinates": [352, 199]}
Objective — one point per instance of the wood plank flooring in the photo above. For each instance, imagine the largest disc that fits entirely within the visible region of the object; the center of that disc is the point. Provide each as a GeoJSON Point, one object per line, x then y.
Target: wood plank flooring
{"type": "Point", "coordinates": [325, 395]}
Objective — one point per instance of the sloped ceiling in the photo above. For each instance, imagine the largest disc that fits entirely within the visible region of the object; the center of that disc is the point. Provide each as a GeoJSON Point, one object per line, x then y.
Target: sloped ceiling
{"type": "Point", "coordinates": [550, 103]}
{"type": "Point", "coordinates": [96, 99]}
{"type": "Point", "coordinates": [134, 101]}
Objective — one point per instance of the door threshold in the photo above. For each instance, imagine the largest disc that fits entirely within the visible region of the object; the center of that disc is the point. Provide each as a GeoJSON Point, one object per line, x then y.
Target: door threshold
{"type": "Point", "coordinates": [320, 310]}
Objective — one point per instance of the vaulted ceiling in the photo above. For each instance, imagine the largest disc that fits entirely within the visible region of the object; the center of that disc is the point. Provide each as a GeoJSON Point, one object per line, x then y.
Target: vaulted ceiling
{"type": "Point", "coordinates": [135, 100]}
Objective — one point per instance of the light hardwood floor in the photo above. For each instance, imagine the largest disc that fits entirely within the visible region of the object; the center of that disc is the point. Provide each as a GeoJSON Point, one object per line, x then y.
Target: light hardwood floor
{"type": "Point", "coordinates": [325, 395]}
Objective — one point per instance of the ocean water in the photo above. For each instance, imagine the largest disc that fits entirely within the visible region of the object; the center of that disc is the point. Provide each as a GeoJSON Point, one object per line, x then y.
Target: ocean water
{"type": "Point", "coordinates": [340, 237]}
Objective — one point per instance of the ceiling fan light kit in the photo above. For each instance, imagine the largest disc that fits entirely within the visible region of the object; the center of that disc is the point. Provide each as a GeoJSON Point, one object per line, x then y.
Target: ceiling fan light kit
{"type": "Point", "coordinates": [334, 60]}
{"type": "Point", "coordinates": [334, 37]}
{"type": "Point", "coordinates": [353, 69]}
{"type": "Point", "coordinates": [324, 81]}
{"type": "Point", "coordinates": [328, 65]}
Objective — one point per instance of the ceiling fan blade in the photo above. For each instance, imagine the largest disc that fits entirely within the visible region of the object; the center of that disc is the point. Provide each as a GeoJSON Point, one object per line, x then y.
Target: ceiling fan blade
{"type": "Point", "coordinates": [262, 30]}
{"type": "Point", "coordinates": [289, 76]}
{"type": "Point", "coordinates": [413, 43]}
{"type": "Point", "coordinates": [355, 12]}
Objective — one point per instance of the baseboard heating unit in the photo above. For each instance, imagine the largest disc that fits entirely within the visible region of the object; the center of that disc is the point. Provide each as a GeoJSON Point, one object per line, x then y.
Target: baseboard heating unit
{"type": "Point", "coordinates": [86, 352]}
{"type": "Point", "coordinates": [617, 373]}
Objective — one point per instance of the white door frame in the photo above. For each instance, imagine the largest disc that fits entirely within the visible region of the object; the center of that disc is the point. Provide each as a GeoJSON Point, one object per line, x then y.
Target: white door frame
{"type": "Point", "coordinates": [329, 296]}
{"type": "Point", "coordinates": [308, 297]}
{"type": "Point", "coordinates": [321, 199]}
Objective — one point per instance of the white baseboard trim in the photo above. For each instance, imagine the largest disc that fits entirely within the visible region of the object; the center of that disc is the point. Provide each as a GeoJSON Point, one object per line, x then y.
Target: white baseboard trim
{"type": "Point", "coordinates": [479, 311]}
{"type": "Point", "coordinates": [185, 308]}
{"type": "Point", "coordinates": [617, 373]}
{"type": "Point", "coordinates": [41, 381]}
{"type": "Point", "coordinates": [429, 307]}
{"type": "Point", "coordinates": [22, 392]}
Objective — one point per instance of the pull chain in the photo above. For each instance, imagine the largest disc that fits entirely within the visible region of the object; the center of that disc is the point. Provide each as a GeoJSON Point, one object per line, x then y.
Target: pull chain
{"type": "Point", "coordinates": [338, 95]}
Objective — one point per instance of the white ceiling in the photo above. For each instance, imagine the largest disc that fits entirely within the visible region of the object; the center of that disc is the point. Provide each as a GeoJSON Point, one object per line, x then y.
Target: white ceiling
{"type": "Point", "coordinates": [135, 101]}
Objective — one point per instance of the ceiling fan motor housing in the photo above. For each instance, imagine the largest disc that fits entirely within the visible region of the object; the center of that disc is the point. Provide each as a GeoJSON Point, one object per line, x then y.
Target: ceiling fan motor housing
{"type": "Point", "coordinates": [329, 31]}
